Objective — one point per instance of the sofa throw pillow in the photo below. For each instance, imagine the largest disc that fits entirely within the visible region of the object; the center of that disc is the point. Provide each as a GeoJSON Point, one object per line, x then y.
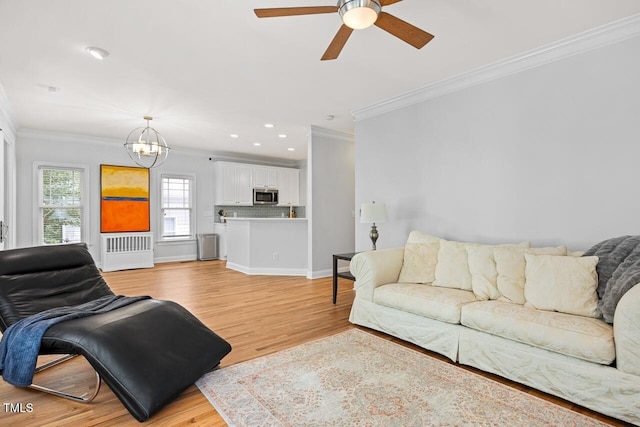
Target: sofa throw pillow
{"type": "Point", "coordinates": [562, 283]}
{"type": "Point", "coordinates": [484, 275]}
{"type": "Point", "coordinates": [453, 269]}
{"type": "Point", "coordinates": [420, 257]}
{"type": "Point", "coordinates": [510, 264]}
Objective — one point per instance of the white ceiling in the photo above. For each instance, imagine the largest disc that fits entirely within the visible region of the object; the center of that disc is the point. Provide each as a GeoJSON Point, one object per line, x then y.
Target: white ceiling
{"type": "Point", "coordinates": [207, 69]}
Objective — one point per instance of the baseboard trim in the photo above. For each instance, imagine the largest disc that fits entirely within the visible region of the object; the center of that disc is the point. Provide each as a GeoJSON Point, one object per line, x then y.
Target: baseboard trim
{"type": "Point", "coordinates": [267, 271]}
{"type": "Point", "coordinates": [182, 258]}
{"type": "Point", "coordinates": [319, 274]}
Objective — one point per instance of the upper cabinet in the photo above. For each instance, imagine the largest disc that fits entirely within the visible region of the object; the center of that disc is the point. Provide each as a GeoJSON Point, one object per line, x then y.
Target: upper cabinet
{"type": "Point", "coordinates": [235, 183]}
{"type": "Point", "coordinates": [264, 176]}
{"type": "Point", "coordinates": [288, 187]}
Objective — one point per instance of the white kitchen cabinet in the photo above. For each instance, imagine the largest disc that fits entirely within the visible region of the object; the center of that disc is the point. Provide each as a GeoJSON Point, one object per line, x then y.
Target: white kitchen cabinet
{"type": "Point", "coordinates": [244, 190]}
{"type": "Point", "coordinates": [264, 176]}
{"type": "Point", "coordinates": [221, 230]}
{"type": "Point", "coordinates": [288, 187]}
{"type": "Point", "coordinates": [295, 187]}
{"type": "Point", "coordinates": [233, 184]}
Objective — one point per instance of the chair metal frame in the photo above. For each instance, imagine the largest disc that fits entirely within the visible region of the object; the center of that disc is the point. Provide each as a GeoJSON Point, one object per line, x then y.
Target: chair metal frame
{"type": "Point", "coordinates": [83, 398]}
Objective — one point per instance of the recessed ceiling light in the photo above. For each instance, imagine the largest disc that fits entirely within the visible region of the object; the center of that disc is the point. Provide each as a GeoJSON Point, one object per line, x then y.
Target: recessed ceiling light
{"type": "Point", "coordinates": [282, 135]}
{"type": "Point", "coordinates": [291, 149]}
{"type": "Point", "coordinates": [268, 125]}
{"type": "Point", "coordinates": [234, 135]}
{"type": "Point", "coordinates": [257, 144]}
{"type": "Point", "coordinates": [97, 52]}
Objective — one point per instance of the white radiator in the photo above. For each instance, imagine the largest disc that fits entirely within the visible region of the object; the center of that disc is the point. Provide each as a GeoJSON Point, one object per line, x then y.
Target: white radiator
{"type": "Point", "coordinates": [125, 251]}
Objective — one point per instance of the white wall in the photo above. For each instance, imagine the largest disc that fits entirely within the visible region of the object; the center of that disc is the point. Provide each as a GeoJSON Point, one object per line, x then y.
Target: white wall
{"type": "Point", "coordinates": [549, 154]}
{"type": "Point", "coordinates": [35, 146]}
{"type": "Point", "coordinates": [330, 198]}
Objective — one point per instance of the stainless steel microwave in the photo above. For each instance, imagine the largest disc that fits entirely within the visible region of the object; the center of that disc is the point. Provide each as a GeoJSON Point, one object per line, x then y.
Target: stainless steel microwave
{"type": "Point", "coordinates": [265, 196]}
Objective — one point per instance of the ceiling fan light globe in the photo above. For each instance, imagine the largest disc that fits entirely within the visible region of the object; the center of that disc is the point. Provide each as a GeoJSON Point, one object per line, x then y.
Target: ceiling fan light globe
{"type": "Point", "coordinates": [359, 18]}
{"type": "Point", "coordinates": [359, 14]}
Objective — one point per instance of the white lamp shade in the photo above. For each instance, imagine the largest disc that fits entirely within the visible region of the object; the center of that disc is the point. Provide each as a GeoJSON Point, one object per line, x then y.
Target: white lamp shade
{"type": "Point", "coordinates": [373, 212]}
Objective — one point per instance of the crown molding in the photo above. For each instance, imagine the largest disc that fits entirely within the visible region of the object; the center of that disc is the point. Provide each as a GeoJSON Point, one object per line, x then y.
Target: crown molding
{"type": "Point", "coordinates": [51, 136]}
{"type": "Point", "coordinates": [614, 32]}
{"type": "Point", "coordinates": [54, 136]}
{"type": "Point", "coordinates": [226, 156]}
{"type": "Point", "coordinates": [330, 133]}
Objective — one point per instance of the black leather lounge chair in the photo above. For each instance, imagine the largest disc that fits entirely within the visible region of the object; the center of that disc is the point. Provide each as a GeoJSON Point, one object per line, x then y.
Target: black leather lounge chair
{"type": "Point", "coordinates": [147, 352]}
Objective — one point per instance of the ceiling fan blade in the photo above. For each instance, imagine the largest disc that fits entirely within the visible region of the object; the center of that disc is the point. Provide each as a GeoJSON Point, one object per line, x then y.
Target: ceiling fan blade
{"type": "Point", "coordinates": [403, 30]}
{"type": "Point", "coordinates": [291, 11]}
{"type": "Point", "coordinates": [388, 2]}
{"type": "Point", "coordinates": [338, 42]}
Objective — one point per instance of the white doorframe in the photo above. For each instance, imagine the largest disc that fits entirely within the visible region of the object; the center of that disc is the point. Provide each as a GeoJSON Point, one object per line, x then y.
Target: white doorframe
{"type": "Point", "coordinates": [3, 226]}
{"type": "Point", "coordinates": [10, 192]}
{"type": "Point", "coordinates": [7, 191]}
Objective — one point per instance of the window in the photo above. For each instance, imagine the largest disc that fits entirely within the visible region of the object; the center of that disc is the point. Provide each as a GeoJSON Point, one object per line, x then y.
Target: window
{"type": "Point", "coordinates": [177, 207]}
{"type": "Point", "coordinates": [62, 214]}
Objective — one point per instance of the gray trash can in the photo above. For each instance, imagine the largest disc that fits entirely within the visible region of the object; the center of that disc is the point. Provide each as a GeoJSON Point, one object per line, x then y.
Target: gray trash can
{"type": "Point", "coordinates": [207, 247]}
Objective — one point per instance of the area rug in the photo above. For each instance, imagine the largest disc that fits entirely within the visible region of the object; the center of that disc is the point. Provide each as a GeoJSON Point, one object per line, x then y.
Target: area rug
{"type": "Point", "coordinates": [358, 379]}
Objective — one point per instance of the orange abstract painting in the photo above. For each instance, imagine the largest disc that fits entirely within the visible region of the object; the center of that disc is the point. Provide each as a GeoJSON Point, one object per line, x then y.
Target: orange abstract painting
{"type": "Point", "coordinates": [124, 199]}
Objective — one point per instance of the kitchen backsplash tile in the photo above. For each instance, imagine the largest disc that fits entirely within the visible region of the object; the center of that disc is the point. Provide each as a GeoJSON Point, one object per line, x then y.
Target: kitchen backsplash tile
{"type": "Point", "coordinates": [258, 211]}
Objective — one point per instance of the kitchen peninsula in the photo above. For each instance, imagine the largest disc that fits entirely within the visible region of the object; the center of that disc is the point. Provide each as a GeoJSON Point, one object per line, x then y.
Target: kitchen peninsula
{"type": "Point", "coordinates": [271, 246]}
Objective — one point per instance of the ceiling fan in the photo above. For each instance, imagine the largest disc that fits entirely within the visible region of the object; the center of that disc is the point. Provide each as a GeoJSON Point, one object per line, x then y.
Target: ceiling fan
{"type": "Point", "coordinates": [356, 15]}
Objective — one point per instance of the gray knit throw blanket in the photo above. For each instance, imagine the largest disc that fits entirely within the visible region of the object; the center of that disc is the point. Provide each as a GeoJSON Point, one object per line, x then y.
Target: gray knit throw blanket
{"type": "Point", "coordinates": [618, 271]}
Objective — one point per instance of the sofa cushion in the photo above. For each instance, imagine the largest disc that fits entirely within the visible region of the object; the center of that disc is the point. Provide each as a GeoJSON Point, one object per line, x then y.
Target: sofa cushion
{"type": "Point", "coordinates": [484, 275]}
{"type": "Point", "coordinates": [510, 264]}
{"type": "Point", "coordinates": [420, 257]}
{"type": "Point", "coordinates": [576, 336]}
{"type": "Point", "coordinates": [562, 283]}
{"type": "Point", "coordinates": [454, 269]}
{"type": "Point", "coordinates": [424, 300]}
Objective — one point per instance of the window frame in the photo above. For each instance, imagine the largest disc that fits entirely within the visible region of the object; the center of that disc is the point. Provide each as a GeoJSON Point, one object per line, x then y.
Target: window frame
{"type": "Point", "coordinates": [38, 191]}
{"type": "Point", "coordinates": [192, 207]}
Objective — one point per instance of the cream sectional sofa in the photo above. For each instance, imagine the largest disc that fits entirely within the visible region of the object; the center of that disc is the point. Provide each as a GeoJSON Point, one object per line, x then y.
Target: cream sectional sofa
{"type": "Point", "coordinates": [526, 314]}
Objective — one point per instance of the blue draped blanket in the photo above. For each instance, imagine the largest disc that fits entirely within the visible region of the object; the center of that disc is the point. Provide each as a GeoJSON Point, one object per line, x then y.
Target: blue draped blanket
{"type": "Point", "coordinates": [20, 343]}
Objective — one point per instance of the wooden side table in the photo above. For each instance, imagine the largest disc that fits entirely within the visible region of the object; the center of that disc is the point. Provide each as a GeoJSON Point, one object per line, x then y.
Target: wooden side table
{"type": "Point", "coordinates": [336, 274]}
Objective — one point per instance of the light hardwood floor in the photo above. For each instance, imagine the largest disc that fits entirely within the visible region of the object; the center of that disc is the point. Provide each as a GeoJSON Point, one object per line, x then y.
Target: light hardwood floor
{"type": "Point", "coordinates": [258, 315]}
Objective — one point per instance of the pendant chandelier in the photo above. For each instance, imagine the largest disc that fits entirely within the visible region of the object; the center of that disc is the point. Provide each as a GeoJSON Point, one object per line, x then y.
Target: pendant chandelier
{"type": "Point", "coordinates": [146, 147]}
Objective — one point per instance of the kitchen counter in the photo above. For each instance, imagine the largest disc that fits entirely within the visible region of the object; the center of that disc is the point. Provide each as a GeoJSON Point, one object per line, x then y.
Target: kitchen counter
{"type": "Point", "coordinates": [267, 246]}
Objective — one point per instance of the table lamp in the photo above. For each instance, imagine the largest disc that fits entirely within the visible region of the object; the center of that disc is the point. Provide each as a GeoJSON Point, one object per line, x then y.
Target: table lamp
{"type": "Point", "coordinates": [370, 213]}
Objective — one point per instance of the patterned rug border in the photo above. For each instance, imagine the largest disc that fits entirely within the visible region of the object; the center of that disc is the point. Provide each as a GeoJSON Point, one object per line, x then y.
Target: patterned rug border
{"type": "Point", "coordinates": [211, 384]}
